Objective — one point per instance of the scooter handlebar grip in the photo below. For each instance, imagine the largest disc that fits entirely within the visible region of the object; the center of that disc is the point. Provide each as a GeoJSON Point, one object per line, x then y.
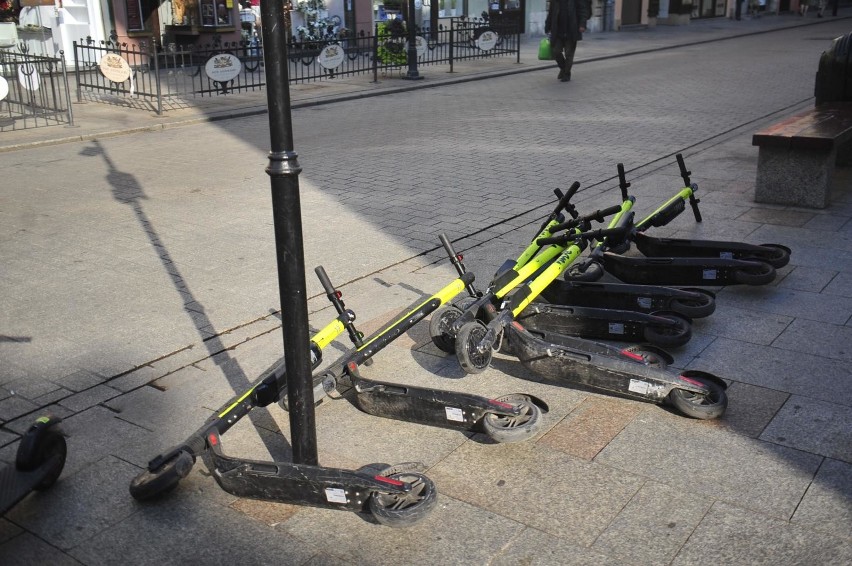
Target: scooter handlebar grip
{"type": "Point", "coordinates": [448, 246]}
{"type": "Point", "coordinates": [600, 215]}
{"type": "Point", "coordinates": [324, 280]}
{"type": "Point", "coordinates": [615, 233]}
{"type": "Point", "coordinates": [558, 240]}
{"type": "Point", "coordinates": [566, 198]}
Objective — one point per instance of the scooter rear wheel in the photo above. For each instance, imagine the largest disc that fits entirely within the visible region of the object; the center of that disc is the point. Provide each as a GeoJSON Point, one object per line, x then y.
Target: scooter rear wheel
{"type": "Point", "coordinates": [506, 428]}
{"type": "Point", "coordinates": [761, 274]}
{"type": "Point", "coordinates": [467, 343]}
{"type": "Point", "coordinates": [439, 328]}
{"type": "Point", "coordinates": [148, 484]}
{"type": "Point", "coordinates": [697, 406]}
{"type": "Point", "coordinates": [407, 509]}
{"type": "Point", "coordinates": [671, 336]}
{"type": "Point", "coordinates": [702, 305]}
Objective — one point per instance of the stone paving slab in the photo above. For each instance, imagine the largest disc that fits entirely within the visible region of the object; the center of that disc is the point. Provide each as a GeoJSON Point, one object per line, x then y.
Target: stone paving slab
{"type": "Point", "coordinates": [701, 457]}
{"type": "Point", "coordinates": [190, 262]}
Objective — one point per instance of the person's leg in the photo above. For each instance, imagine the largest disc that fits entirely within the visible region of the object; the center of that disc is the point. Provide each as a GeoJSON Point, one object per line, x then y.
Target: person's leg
{"type": "Point", "coordinates": [557, 47]}
{"type": "Point", "coordinates": [570, 49]}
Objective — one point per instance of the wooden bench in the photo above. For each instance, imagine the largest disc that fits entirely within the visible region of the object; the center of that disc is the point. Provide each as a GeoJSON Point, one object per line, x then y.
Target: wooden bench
{"type": "Point", "coordinates": [797, 156]}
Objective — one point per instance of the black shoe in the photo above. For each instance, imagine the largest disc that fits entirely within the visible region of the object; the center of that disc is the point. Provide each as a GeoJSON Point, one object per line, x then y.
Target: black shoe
{"type": "Point", "coordinates": [561, 76]}
{"type": "Point", "coordinates": [565, 77]}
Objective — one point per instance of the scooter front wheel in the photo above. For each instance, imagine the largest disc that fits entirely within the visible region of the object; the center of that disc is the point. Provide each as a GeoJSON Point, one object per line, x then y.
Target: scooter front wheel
{"type": "Point", "coordinates": [709, 406]}
{"type": "Point", "coordinates": [149, 485]}
{"type": "Point", "coordinates": [467, 348]}
{"type": "Point", "coordinates": [440, 326]}
{"type": "Point", "coordinates": [405, 509]}
{"type": "Point", "coordinates": [775, 255]}
{"type": "Point", "coordinates": [761, 274]}
{"type": "Point", "coordinates": [37, 448]}
{"type": "Point", "coordinates": [509, 428]}
{"type": "Point", "coordinates": [671, 335]}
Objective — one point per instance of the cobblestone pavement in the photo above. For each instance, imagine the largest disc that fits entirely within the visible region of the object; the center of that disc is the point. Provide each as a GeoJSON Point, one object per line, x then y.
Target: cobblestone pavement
{"type": "Point", "coordinates": [140, 293]}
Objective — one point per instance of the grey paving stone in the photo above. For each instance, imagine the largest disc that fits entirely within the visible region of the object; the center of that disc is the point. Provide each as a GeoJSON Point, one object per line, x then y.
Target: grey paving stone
{"type": "Point", "coordinates": [30, 388]}
{"type": "Point", "coordinates": [744, 324]}
{"type": "Point", "coordinates": [808, 279]}
{"type": "Point", "coordinates": [779, 369]}
{"type": "Point", "coordinates": [827, 505]}
{"type": "Point", "coordinates": [576, 503]}
{"type": "Point", "coordinates": [532, 546]}
{"type": "Point", "coordinates": [841, 285]}
{"type": "Point", "coordinates": [454, 529]}
{"type": "Point", "coordinates": [789, 302]}
{"type": "Point", "coordinates": [807, 336]}
{"type": "Point", "coordinates": [185, 528]}
{"type": "Point", "coordinates": [815, 426]}
{"type": "Point", "coordinates": [8, 530]}
{"type": "Point", "coordinates": [751, 408]}
{"type": "Point", "coordinates": [26, 549]}
{"type": "Point", "coordinates": [89, 398]}
{"type": "Point", "coordinates": [738, 536]}
{"type": "Point", "coordinates": [79, 380]}
{"type": "Point", "coordinates": [95, 433]}
{"type": "Point", "coordinates": [702, 458]}
{"type": "Point", "coordinates": [654, 525]}
{"type": "Point", "coordinates": [15, 406]}
{"type": "Point", "coordinates": [91, 499]}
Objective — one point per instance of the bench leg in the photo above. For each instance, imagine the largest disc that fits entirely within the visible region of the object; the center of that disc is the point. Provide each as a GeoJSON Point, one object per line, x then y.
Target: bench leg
{"type": "Point", "coordinates": [797, 177]}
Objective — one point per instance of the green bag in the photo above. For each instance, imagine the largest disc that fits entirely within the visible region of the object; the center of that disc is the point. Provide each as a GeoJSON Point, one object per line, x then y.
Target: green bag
{"type": "Point", "coordinates": [544, 53]}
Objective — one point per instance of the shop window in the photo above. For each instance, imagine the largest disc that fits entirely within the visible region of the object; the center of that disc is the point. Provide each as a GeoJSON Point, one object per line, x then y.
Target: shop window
{"type": "Point", "coordinates": [217, 13]}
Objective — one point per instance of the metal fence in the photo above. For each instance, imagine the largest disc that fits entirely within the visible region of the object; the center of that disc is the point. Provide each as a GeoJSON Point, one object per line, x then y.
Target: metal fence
{"type": "Point", "coordinates": [157, 76]}
{"type": "Point", "coordinates": [34, 91]}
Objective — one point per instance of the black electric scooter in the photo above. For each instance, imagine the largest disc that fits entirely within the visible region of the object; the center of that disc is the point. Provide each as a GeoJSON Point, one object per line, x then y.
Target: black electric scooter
{"type": "Point", "coordinates": [38, 462]}
{"type": "Point", "coordinates": [397, 496]}
{"type": "Point", "coordinates": [638, 372]}
{"type": "Point", "coordinates": [510, 418]}
{"type": "Point", "coordinates": [665, 329]}
{"type": "Point", "coordinates": [671, 261]}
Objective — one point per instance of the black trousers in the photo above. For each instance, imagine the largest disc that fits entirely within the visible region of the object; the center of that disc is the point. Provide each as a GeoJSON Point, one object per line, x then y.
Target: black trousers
{"type": "Point", "coordinates": [563, 50]}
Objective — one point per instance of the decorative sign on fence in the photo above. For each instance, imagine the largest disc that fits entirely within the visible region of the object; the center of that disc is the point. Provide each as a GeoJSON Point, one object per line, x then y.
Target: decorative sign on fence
{"type": "Point", "coordinates": [223, 67]}
{"type": "Point", "coordinates": [28, 76]}
{"type": "Point", "coordinates": [115, 68]}
{"type": "Point", "coordinates": [4, 88]}
{"type": "Point", "coordinates": [331, 56]}
{"type": "Point", "coordinates": [420, 46]}
{"type": "Point", "coordinates": [487, 40]}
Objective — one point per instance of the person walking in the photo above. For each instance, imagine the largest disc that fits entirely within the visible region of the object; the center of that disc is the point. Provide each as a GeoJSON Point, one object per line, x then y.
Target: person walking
{"type": "Point", "coordinates": [566, 22]}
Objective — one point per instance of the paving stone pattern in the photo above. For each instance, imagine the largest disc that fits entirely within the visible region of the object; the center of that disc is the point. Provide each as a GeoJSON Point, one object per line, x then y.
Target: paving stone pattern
{"type": "Point", "coordinates": [139, 293]}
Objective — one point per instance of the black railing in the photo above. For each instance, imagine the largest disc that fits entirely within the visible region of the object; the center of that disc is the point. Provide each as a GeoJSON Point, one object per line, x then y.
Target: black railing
{"type": "Point", "coordinates": [37, 91]}
{"type": "Point", "coordinates": [154, 76]}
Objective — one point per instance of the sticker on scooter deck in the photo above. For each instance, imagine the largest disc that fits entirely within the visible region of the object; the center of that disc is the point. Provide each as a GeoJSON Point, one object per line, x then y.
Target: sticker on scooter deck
{"type": "Point", "coordinates": [454, 414]}
{"type": "Point", "coordinates": [335, 495]}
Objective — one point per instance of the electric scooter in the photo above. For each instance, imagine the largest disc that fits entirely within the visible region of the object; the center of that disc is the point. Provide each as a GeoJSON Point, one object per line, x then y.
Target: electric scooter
{"type": "Point", "coordinates": [397, 496]}
{"type": "Point", "coordinates": [511, 418]}
{"type": "Point", "coordinates": [637, 372]}
{"type": "Point", "coordinates": [699, 262]}
{"type": "Point", "coordinates": [668, 329]}
{"type": "Point", "coordinates": [38, 462]}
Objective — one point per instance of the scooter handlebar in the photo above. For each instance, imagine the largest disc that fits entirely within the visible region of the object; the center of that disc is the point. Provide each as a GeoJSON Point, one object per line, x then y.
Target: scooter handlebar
{"type": "Point", "coordinates": [566, 198]}
{"type": "Point", "coordinates": [598, 215]}
{"type": "Point", "coordinates": [615, 233]}
{"type": "Point", "coordinates": [324, 280]}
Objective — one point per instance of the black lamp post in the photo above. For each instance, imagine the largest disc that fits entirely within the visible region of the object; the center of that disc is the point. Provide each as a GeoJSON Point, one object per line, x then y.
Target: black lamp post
{"type": "Point", "coordinates": [412, 45]}
{"type": "Point", "coordinates": [283, 170]}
